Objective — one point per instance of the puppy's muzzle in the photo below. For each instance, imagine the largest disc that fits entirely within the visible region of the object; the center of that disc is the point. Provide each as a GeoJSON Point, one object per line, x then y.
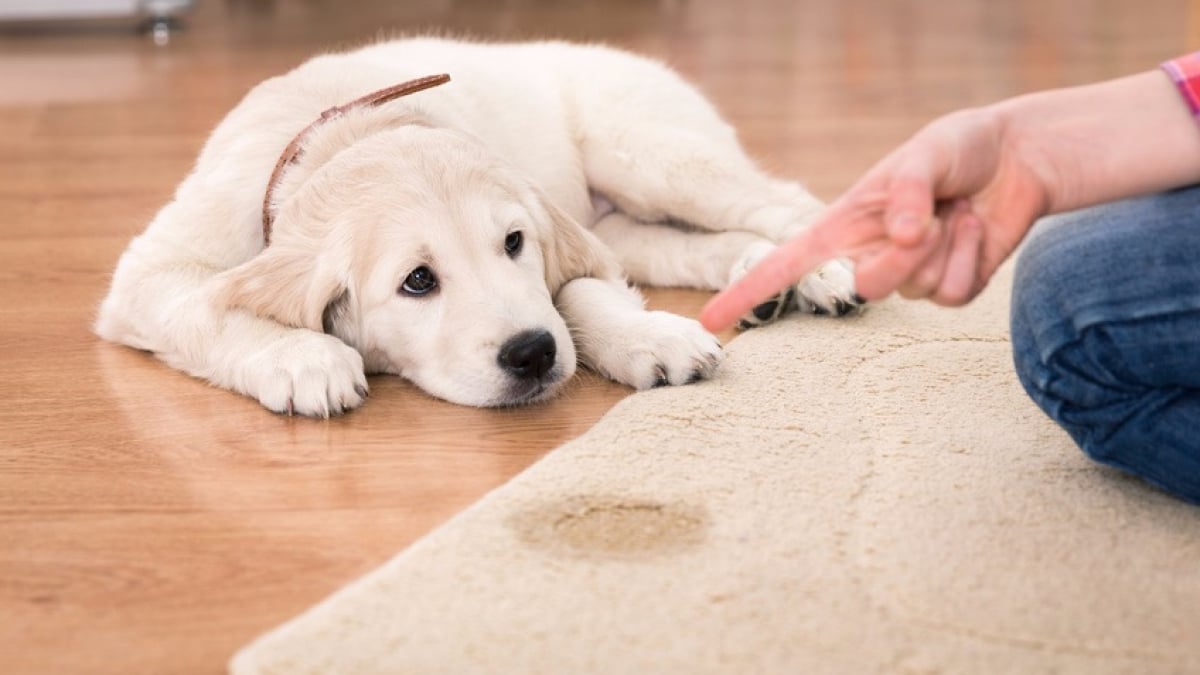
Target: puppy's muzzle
{"type": "Point", "coordinates": [528, 355]}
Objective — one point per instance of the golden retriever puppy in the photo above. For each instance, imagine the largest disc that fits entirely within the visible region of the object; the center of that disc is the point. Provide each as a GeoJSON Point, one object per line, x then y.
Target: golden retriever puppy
{"type": "Point", "coordinates": [473, 238]}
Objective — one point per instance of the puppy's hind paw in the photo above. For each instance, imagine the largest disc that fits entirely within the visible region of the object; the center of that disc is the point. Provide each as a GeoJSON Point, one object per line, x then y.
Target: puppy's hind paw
{"type": "Point", "coordinates": [829, 290]}
{"type": "Point", "coordinates": [771, 309]}
{"type": "Point", "coordinates": [768, 311]}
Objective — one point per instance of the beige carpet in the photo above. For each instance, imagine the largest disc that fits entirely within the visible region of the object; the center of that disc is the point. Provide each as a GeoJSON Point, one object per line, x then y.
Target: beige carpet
{"type": "Point", "coordinates": [874, 495]}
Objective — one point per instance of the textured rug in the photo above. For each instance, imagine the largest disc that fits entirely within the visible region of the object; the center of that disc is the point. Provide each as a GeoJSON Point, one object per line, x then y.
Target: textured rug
{"type": "Point", "coordinates": [872, 495]}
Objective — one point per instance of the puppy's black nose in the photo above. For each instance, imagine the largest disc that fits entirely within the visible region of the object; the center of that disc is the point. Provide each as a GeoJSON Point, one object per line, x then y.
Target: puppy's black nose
{"type": "Point", "coordinates": [528, 355]}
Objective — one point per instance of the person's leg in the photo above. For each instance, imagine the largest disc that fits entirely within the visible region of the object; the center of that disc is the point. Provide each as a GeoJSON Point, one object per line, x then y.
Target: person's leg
{"type": "Point", "coordinates": [1106, 333]}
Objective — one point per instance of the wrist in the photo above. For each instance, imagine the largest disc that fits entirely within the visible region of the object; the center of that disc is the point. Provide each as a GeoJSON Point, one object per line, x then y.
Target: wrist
{"type": "Point", "coordinates": [1103, 142]}
{"type": "Point", "coordinates": [1036, 150]}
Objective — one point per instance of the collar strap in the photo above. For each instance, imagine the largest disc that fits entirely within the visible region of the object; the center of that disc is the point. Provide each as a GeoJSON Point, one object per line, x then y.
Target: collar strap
{"type": "Point", "coordinates": [292, 152]}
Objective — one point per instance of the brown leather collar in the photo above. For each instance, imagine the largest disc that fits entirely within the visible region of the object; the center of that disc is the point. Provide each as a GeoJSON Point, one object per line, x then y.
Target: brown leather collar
{"type": "Point", "coordinates": [292, 151]}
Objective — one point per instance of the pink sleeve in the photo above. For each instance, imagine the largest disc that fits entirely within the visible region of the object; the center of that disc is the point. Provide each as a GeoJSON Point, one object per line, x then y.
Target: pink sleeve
{"type": "Point", "coordinates": [1185, 72]}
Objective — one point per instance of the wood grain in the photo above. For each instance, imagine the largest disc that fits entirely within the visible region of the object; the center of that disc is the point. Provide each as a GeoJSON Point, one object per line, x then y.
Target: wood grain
{"type": "Point", "coordinates": [152, 524]}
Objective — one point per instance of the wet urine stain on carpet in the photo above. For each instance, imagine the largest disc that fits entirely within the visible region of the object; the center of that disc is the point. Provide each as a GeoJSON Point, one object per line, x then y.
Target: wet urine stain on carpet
{"type": "Point", "coordinates": [612, 526]}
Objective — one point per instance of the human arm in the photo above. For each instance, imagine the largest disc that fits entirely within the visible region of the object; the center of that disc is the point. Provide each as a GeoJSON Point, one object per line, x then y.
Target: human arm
{"type": "Point", "coordinates": [936, 217]}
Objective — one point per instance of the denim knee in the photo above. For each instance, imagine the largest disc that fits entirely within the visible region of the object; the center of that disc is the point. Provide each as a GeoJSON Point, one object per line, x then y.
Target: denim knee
{"type": "Point", "coordinates": [1105, 310]}
{"type": "Point", "coordinates": [1059, 367]}
{"type": "Point", "coordinates": [1073, 386]}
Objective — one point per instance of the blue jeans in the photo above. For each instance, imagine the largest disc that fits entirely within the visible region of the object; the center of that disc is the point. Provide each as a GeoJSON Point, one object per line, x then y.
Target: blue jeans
{"type": "Point", "coordinates": [1106, 333]}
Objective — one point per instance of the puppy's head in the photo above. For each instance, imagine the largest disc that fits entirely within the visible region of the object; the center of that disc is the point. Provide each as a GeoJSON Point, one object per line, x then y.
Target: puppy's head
{"type": "Point", "coordinates": [433, 259]}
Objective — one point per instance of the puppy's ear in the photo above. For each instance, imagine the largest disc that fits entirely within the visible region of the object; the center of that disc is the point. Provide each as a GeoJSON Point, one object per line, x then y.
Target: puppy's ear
{"type": "Point", "coordinates": [285, 283]}
{"type": "Point", "coordinates": [571, 251]}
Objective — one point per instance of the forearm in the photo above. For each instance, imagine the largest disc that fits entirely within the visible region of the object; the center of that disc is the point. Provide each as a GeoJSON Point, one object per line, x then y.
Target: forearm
{"type": "Point", "coordinates": [1106, 141]}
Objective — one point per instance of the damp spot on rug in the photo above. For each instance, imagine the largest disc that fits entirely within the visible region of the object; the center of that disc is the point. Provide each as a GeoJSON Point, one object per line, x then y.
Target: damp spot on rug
{"type": "Point", "coordinates": [611, 526]}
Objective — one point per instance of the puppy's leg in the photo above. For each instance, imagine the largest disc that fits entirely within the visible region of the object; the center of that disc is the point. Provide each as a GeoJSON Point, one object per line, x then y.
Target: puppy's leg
{"type": "Point", "coordinates": [699, 176]}
{"type": "Point", "coordinates": [664, 175]}
{"type": "Point", "coordinates": [619, 339]}
{"type": "Point", "coordinates": [655, 254]}
{"type": "Point", "coordinates": [173, 310]}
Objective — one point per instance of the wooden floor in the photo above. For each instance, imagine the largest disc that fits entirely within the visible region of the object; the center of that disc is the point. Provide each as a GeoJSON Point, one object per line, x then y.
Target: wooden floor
{"type": "Point", "coordinates": [151, 524]}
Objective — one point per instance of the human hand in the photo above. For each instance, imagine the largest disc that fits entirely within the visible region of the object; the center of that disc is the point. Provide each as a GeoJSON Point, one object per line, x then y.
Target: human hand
{"type": "Point", "coordinates": [934, 219]}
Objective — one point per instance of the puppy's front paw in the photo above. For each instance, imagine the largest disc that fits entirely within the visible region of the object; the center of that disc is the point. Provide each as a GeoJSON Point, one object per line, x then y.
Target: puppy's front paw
{"type": "Point", "coordinates": [660, 348]}
{"type": "Point", "coordinates": [829, 290]}
{"type": "Point", "coordinates": [307, 373]}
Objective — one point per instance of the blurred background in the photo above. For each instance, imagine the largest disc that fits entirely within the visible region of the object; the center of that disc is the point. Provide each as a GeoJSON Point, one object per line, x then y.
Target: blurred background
{"type": "Point", "coordinates": [808, 81]}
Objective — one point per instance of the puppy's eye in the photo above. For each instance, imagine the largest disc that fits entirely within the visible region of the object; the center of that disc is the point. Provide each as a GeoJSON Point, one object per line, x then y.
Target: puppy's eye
{"type": "Point", "coordinates": [419, 282]}
{"type": "Point", "coordinates": [513, 243]}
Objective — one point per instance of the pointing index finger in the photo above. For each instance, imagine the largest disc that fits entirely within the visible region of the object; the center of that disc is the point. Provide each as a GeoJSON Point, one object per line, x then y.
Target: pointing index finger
{"type": "Point", "coordinates": [840, 232]}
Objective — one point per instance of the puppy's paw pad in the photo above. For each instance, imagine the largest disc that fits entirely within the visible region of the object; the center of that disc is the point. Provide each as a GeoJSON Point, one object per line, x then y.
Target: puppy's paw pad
{"type": "Point", "coordinates": [771, 309]}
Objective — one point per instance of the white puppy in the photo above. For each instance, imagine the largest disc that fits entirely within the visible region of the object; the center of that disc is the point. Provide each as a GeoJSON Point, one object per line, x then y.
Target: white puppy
{"type": "Point", "coordinates": [454, 236]}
